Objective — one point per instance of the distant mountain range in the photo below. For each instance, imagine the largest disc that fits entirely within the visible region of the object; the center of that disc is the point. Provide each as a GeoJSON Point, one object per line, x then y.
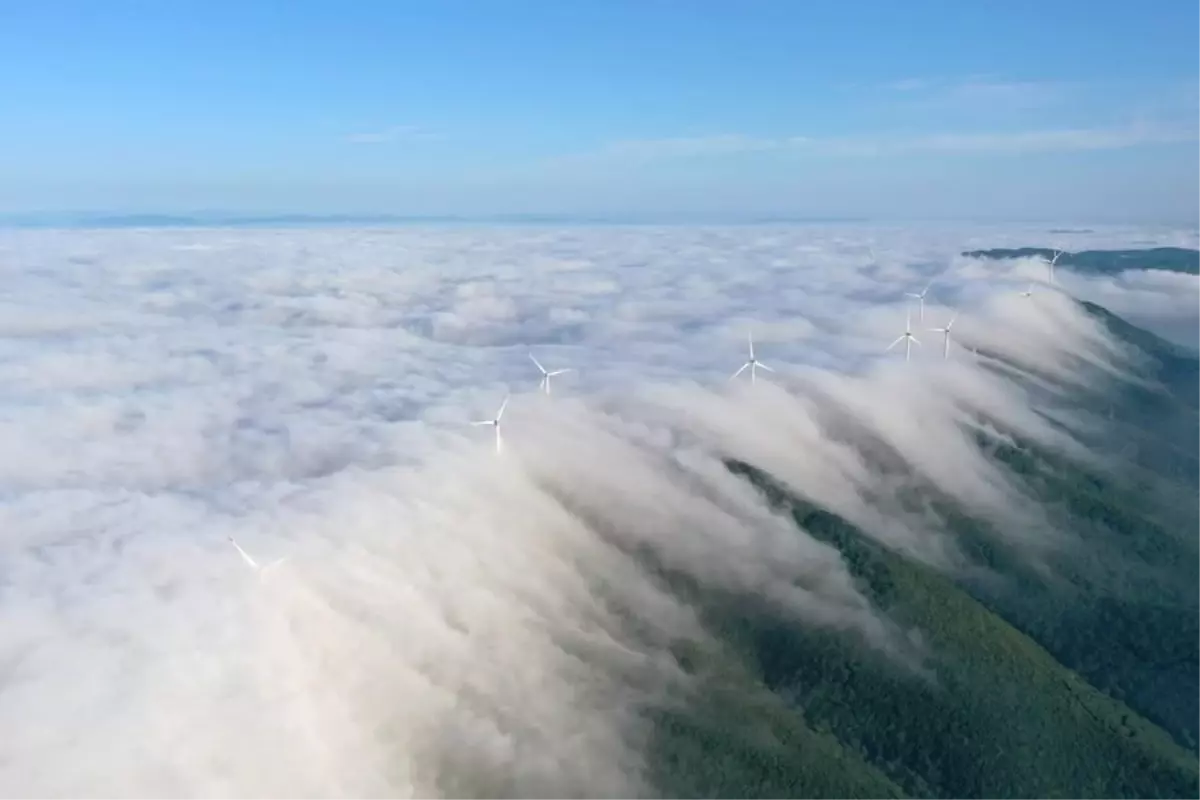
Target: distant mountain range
{"type": "Point", "coordinates": [221, 219]}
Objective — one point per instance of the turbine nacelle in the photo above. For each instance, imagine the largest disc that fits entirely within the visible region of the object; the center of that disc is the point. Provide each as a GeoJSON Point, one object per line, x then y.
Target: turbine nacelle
{"type": "Point", "coordinates": [752, 363]}
{"type": "Point", "coordinates": [1050, 263]}
{"type": "Point", "coordinates": [946, 335]}
{"type": "Point", "coordinates": [920, 297]}
{"type": "Point", "coordinates": [544, 384]}
{"type": "Point", "coordinates": [906, 337]}
{"type": "Point", "coordinates": [495, 423]}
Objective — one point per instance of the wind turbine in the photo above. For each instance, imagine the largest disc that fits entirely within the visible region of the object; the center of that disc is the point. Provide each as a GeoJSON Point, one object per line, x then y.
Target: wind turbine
{"type": "Point", "coordinates": [495, 423]}
{"type": "Point", "coordinates": [920, 299]}
{"type": "Point", "coordinates": [546, 376]}
{"type": "Point", "coordinates": [753, 363]}
{"type": "Point", "coordinates": [946, 335]}
{"type": "Point", "coordinates": [906, 337]}
{"type": "Point", "coordinates": [1028, 292]}
{"type": "Point", "coordinates": [1051, 262]}
{"type": "Point", "coordinates": [254, 565]}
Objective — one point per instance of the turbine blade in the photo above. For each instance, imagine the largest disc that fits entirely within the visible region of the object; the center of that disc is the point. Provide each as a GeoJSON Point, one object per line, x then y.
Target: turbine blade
{"type": "Point", "coordinates": [245, 556]}
{"type": "Point", "coordinates": [500, 413]}
{"type": "Point", "coordinates": [274, 563]}
{"type": "Point", "coordinates": [750, 341]}
{"type": "Point", "coordinates": [899, 339]}
{"type": "Point", "coordinates": [763, 366]}
{"type": "Point", "coordinates": [740, 370]}
{"type": "Point", "coordinates": [538, 363]}
{"type": "Point", "coordinates": [483, 422]}
{"type": "Point", "coordinates": [914, 339]}
{"type": "Point", "coordinates": [560, 371]}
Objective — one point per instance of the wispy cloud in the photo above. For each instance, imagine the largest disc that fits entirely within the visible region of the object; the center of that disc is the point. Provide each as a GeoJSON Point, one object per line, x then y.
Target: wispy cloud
{"type": "Point", "coordinates": [907, 84]}
{"type": "Point", "coordinates": [982, 91]}
{"type": "Point", "coordinates": [1015, 142]}
{"type": "Point", "coordinates": [391, 134]}
{"type": "Point", "coordinates": [689, 146]}
{"type": "Point", "coordinates": [1007, 142]}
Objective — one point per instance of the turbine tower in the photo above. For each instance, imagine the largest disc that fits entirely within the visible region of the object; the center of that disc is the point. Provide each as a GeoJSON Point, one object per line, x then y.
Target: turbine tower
{"type": "Point", "coordinates": [906, 337]}
{"type": "Point", "coordinates": [920, 299]}
{"type": "Point", "coordinates": [546, 376]}
{"type": "Point", "coordinates": [946, 335]}
{"type": "Point", "coordinates": [1051, 262]}
{"type": "Point", "coordinates": [495, 423]}
{"type": "Point", "coordinates": [753, 363]}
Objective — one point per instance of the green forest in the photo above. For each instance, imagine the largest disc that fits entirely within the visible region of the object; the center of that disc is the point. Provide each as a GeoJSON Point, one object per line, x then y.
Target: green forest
{"type": "Point", "coordinates": [1105, 262]}
{"type": "Point", "coordinates": [1078, 683]}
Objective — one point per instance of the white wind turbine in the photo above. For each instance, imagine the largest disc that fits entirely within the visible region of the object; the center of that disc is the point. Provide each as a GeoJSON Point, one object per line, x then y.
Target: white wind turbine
{"type": "Point", "coordinates": [752, 362]}
{"type": "Point", "coordinates": [946, 335]}
{"type": "Point", "coordinates": [920, 299]}
{"type": "Point", "coordinates": [546, 376]}
{"type": "Point", "coordinates": [254, 565]}
{"type": "Point", "coordinates": [1028, 292]}
{"type": "Point", "coordinates": [1051, 262]}
{"type": "Point", "coordinates": [495, 423]}
{"type": "Point", "coordinates": [906, 337]}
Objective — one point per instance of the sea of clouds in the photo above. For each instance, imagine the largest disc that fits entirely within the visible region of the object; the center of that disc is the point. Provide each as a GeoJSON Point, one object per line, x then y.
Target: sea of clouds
{"type": "Point", "coordinates": [451, 620]}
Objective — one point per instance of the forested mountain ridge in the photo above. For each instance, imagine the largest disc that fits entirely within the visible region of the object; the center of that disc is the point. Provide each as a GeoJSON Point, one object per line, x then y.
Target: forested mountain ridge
{"type": "Point", "coordinates": [1083, 684]}
{"type": "Point", "coordinates": [1105, 262]}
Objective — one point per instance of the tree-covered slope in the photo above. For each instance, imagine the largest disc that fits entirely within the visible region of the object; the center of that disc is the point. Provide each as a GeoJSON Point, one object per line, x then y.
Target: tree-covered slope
{"type": "Point", "coordinates": [737, 738]}
{"type": "Point", "coordinates": [999, 716]}
{"type": "Point", "coordinates": [1076, 677]}
{"type": "Point", "coordinates": [1105, 262]}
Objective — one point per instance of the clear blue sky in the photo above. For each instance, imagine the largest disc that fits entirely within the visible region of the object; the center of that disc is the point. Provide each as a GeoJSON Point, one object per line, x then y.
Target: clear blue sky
{"type": "Point", "coordinates": [881, 108]}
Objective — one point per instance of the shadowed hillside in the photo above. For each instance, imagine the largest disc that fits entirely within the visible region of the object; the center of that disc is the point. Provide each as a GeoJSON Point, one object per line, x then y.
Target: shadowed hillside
{"type": "Point", "coordinates": [1105, 262]}
{"type": "Point", "coordinates": [1079, 681]}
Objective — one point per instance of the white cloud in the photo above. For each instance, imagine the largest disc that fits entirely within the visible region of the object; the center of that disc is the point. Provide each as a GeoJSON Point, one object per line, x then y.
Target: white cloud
{"type": "Point", "coordinates": [908, 84]}
{"type": "Point", "coordinates": [449, 622]}
{"type": "Point", "coordinates": [982, 92]}
{"type": "Point", "coordinates": [1066, 140]}
{"type": "Point", "coordinates": [998, 143]}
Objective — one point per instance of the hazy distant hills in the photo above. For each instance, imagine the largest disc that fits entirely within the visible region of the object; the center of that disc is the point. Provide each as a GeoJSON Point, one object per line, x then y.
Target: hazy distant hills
{"type": "Point", "coordinates": [1106, 262]}
{"type": "Point", "coordinates": [1076, 681]}
{"type": "Point", "coordinates": [228, 219]}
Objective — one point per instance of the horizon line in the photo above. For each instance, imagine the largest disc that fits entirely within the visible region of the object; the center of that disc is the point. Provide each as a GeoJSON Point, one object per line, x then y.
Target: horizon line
{"type": "Point", "coordinates": [213, 218]}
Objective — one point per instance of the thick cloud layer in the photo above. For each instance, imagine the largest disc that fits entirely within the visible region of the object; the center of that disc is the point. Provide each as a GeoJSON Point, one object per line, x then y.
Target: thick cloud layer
{"type": "Point", "coordinates": [450, 620]}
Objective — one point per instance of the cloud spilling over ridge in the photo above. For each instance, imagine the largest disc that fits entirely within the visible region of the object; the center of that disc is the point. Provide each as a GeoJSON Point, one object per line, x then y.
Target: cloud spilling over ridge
{"type": "Point", "coordinates": [458, 629]}
{"type": "Point", "coordinates": [450, 622]}
{"type": "Point", "coordinates": [697, 518]}
{"type": "Point", "coordinates": [853, 442]}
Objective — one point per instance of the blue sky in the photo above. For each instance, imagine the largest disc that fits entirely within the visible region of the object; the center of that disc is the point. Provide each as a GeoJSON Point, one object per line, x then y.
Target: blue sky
{"type": "Point", "coordinates": [887, 109]}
